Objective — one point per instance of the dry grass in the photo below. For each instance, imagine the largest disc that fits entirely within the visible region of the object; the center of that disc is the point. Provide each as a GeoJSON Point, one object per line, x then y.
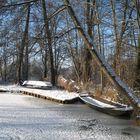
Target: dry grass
{"type": "Point", "coordinates": [109, 95]}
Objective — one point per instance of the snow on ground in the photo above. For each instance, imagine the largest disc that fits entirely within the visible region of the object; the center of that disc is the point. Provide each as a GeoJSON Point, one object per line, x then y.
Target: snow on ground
{"type": "Point", "coordinates": [53, 93]}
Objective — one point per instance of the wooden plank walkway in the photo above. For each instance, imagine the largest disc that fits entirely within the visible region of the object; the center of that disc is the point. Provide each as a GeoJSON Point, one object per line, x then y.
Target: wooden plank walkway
{"type": "Point", "coordinates": [56, 95]}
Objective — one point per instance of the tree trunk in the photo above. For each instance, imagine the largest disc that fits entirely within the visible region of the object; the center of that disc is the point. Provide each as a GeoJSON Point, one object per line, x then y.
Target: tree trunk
{"type": "Point", "coordinates": [45, 63]}
{"type": "Point", "coordinates": [5, 69]}
{"type": "Point", "coordinates": [1, 69]}
{"type": "Point", "coordinates": [25, 66]}
{"type": "Point", "coordinates": [99, 44]}
{"type": "Point", "coordinates": [116, 63]}
{"type": "Point", "coordinates": [21, 49]}
{"type": "Point", "coordinates": [119, 35]}
{"type": "Point", "coordinates": [137, 80]}
{"type": "Point", "coordinates": [49, 42]}
{"type": "Point", "coordinates": [87, 67]}
{"type": "Point", "coordinates": [5, 62]}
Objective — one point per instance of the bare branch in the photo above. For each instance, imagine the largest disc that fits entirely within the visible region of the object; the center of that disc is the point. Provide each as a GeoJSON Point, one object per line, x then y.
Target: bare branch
{"type": "Point", "coordinates": [18, 4]}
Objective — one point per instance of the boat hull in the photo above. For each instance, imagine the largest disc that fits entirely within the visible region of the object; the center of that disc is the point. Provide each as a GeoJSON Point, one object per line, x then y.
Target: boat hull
{"type": "Point", "coordinates": [107, 108]}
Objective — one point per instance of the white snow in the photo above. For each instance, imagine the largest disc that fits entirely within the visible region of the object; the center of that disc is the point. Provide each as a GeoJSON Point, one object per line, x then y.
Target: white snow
{"type": "Point", "coordinates": [37, 83]}
{"type": "Point", "coordinates": [101, 103]}
{"type": "Point", "coordinates": [53, 93]}
{"type": "Point", "coordinates": [110, 100]}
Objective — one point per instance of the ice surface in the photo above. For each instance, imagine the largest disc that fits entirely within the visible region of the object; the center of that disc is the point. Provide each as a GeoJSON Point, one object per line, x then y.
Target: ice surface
{"type": "Point", "coordinates": [24, 117]}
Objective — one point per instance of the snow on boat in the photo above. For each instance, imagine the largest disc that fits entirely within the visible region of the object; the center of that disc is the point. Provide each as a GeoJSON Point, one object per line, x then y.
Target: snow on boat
{"type": "Point", "coordinates": [37, 84]}
{"type": "Point", "coordinates": [115, 109]}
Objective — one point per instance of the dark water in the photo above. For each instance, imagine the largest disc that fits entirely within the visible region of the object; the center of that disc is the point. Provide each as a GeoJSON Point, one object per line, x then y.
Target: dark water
{"type": "Point", "coordinates": [28, 118]}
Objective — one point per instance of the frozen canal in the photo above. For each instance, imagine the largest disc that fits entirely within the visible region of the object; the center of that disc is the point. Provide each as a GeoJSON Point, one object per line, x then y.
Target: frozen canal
{"type": "Point", "coordinates": [27, 118]}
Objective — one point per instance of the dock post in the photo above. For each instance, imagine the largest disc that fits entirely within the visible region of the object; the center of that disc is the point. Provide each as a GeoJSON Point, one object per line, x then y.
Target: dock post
{"type": "Point", "coordinates": [137, 121]}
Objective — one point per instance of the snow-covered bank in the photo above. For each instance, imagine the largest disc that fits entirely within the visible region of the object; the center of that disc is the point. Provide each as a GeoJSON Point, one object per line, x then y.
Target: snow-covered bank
{"type": "Point", "coordinates": [54, 94]}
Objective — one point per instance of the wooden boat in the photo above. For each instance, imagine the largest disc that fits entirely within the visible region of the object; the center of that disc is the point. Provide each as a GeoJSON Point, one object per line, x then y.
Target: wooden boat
{"type": "Point", "coordinates": [37, 84]}
{"type": "Point", "coordinates": [115, 109]}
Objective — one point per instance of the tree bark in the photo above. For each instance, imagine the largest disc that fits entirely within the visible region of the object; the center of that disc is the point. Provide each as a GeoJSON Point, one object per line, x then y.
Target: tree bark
{"type": "Point", "coordinates": [25, 67]}
{"type": "Point", "coordinates": [89, 18]}
{"type": "Point", "coordinates": [116, 63]}
{"type": "Point", "coordinates": [21, 49]}
{"type": "Point", "coordinates": [49, 42]}
{"type": "Point", "coordinates": [119, 35]}
{"type": "Point", "coordinates": [137, 80]}
{"type": "Point", "coordinates": [45, 63]}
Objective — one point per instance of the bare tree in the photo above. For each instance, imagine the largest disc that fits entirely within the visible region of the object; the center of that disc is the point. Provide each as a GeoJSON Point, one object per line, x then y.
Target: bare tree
{"type": "Point", "coordinates": [49, 41]}
{"type": "Point", "coordinates": [21, 49]}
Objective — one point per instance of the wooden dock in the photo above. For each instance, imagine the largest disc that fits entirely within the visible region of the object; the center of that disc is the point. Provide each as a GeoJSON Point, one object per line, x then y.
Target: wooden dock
{"type": "Point", "coordinates": [64, 101]}
{"type": "Point", "coordinates": [56, 95]}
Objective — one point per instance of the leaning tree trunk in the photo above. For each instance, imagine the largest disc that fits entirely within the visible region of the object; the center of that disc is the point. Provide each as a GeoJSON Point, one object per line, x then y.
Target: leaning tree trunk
{"type": "Point", "coordinates": [115, 80]}
{"type": "Point", "coordinates": [49, 42]}
{"type": "Point", "coordinates": [137, 80]}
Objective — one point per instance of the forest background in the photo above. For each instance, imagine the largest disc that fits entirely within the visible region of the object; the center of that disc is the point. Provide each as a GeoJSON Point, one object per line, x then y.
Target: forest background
{"type": "Point", "coordinates": [39, 41]}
